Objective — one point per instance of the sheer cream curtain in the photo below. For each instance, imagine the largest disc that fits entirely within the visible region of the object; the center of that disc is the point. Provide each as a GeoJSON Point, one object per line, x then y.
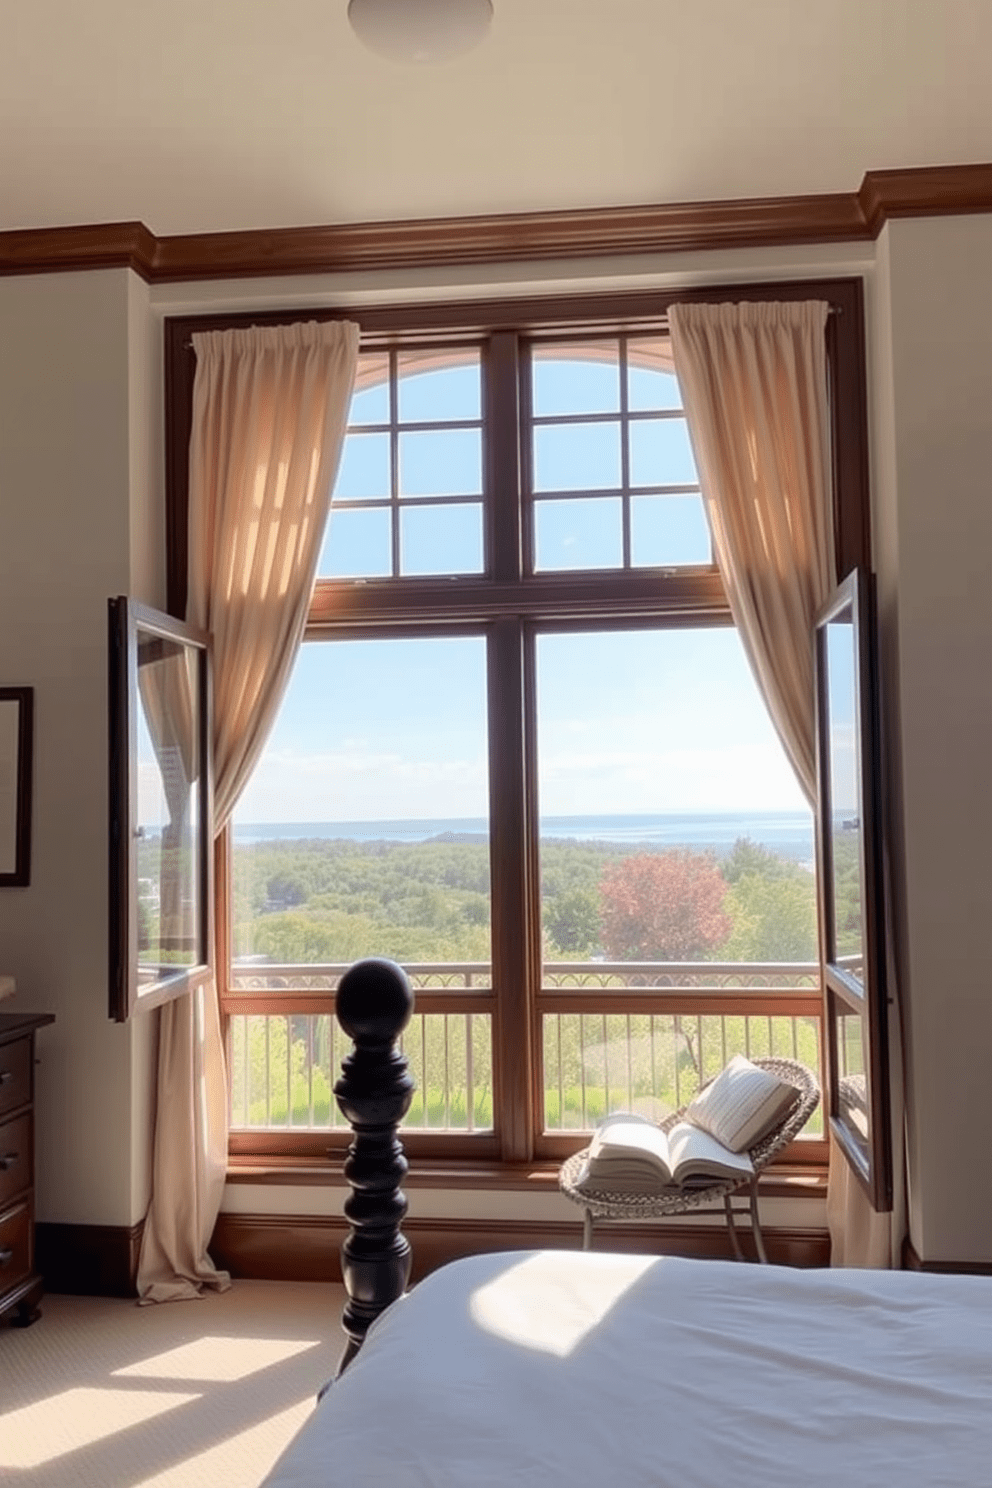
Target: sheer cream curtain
{"type": "Point", "coordinates": [754, 387]}
{"type": "Point", "coordinates": [269, 412]}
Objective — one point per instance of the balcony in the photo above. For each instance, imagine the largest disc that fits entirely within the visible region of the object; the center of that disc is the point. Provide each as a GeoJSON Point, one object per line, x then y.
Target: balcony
{"type": "Point", "coordinates": [614, 1035]}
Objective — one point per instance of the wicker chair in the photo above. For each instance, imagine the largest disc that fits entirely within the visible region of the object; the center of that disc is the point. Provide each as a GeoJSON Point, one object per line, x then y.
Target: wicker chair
{"type": "Point", "coordinates": [599, 1204]}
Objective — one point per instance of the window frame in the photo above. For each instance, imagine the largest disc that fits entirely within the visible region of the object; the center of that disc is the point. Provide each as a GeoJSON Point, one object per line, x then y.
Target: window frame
{"type": "Point", "coordinates": [510, 605]}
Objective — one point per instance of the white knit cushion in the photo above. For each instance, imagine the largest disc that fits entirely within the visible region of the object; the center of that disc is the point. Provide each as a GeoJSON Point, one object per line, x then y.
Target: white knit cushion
{"type": "Point", "coordinates": [742, 1104]}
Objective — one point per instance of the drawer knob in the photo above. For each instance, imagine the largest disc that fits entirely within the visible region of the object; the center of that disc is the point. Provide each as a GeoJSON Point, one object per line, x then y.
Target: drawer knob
{"type": "Point", "coordinates": [8, 1160]}
{"type": "Point", "coordinates": [5, 1256]}
{"type": "Point", "coordinates": [6, 1075]}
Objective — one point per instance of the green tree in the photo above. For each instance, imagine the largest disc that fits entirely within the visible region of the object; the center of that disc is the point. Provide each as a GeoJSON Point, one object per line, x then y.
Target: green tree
{"type": "Point", "coordinates": [572, 920]}
{"type": "Point", "coordinates": [749, 857]}
{"type": "Point", "coordinates": [773, 919]}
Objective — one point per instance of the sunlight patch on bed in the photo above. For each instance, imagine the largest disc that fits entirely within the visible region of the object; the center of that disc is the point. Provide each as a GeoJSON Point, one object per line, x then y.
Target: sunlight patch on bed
{"type": "Point", "coordinates": [63, 1423]}
{"type": "Point", "coordinates": [216, 1358]}
{"type": "Point", "coordinates": [540, 1304]}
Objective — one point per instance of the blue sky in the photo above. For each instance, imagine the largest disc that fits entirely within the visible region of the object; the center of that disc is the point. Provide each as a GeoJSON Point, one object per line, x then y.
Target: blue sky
{"type": "Point", "coordinates": [842, 706]}
{"type": "Point", "coordinates": [628, 722]}
{"type": "Point", "coordinates": [631, 722]}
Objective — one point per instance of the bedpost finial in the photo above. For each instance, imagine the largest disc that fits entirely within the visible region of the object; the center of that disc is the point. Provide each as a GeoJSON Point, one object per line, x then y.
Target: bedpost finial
{"type": "Point", "coordinates": [374, 1001]}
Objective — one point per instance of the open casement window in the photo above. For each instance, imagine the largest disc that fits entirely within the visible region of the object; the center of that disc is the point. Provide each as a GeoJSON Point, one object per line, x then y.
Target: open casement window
{"type": "Point", "coordinates": [851, 889]}
{"type": "Point", "coordinates": [521, 752]}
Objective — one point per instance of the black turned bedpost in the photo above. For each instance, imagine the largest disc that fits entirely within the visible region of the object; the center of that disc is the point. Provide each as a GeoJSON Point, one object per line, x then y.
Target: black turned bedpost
{"type": "Point", "coordinates": [374, 1004]}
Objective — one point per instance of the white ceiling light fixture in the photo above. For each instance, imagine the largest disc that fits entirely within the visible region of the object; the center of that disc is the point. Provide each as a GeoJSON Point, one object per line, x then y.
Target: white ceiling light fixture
{"type": "Point", "coordinates": [420, 30]}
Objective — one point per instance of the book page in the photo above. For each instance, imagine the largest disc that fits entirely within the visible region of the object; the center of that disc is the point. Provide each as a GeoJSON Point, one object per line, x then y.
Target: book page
{"type": "Point", "coordinates": [628, 1148]}
{"type": "Point", "coordinates": [693, 1152]}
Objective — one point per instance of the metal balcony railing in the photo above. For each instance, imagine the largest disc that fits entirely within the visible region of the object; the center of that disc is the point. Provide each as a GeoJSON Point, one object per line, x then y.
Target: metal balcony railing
{"type": "Point", "coordinates": [618, 1035]}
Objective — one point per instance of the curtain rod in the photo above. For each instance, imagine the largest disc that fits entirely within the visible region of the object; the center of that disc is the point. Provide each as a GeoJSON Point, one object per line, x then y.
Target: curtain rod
{"type": "Point", "coordinates": [660, 322]}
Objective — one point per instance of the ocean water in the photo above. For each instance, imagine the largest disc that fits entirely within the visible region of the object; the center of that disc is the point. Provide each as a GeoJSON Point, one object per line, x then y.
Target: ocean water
{"type": "Point", "coordinates": [788, 833]}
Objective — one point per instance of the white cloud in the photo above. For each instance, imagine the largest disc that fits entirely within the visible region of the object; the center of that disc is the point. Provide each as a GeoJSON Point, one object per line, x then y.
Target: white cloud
{"type": "Point", "coordinates": [353, 785]}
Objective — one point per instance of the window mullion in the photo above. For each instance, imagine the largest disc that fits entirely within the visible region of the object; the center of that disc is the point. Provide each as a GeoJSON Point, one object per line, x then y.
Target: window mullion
{"type": "Point", "coordinates": [512, 893]}
{"type": "Point", "coordinates": [502, 457]}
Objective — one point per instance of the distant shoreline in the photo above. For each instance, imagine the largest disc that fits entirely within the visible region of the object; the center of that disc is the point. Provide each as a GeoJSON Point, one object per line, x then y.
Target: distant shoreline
{"type": "Point", "coordinates": [789, 833]}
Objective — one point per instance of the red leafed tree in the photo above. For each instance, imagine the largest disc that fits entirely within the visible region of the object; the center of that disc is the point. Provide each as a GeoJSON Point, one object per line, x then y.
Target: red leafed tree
{"type": "Point", "coordinates": [663, 907]}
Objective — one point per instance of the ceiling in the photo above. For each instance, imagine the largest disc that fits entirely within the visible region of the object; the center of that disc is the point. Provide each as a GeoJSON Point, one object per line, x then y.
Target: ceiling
{"type": "Point", "coordinates": [223, 115]}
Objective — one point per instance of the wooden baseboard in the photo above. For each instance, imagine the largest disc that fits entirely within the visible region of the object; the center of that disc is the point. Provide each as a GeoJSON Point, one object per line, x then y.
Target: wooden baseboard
{"type": "Point", "coordinates": [102, 1260]}
{"type": "Point", "coordinates": [912, 1262]}
{"type": "Point", "coordinates": [306, 1247]}
{"type": "Point", "coordinates": [89, 1260]}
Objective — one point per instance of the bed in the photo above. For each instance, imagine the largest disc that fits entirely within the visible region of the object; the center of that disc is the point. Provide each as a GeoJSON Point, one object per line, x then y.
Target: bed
{"type": "Point", "coordinates": [551, 1368]}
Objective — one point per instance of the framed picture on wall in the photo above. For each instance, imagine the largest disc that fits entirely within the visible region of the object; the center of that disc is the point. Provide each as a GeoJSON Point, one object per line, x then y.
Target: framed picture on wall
{"type": "Point", "coordinates": [16, 743]}
{"type": "Point", "coordinates": [848, 829]}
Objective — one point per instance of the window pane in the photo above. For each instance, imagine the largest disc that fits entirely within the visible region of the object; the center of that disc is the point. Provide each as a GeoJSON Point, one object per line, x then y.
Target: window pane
{"type": "Point", "coordinates": [653, 1063]}
{"type": "Point", "coordinates": [284, 1066]}
{"type": "Point", "coordinates": [168, 768]}
{"type": "Point", "coordinates": [852, 1080]}
{"type": "Point", "coordinates": [650, 381]}
{"type": "Point", "coordinates": [357, 544]}
{"type": "Point", "coordinates": [441, 539]}
{"type": "Point", "coordinates": [585, 533]}
{"type": "Point", "coordinates": [370, 399]}
{"type": "Point", "coordinates": [660, 454]}
{"type": "Point", "coordinates": [364, 470]}
{"type": "Point", "coordinates": [667, 531]}
{"type": "Point", "coordinates": [445, 463]}
{"type": "Point", "coordinates": [672, 827]}
{"type": "Point", "coordinates": [846, 930]}
{"type": "Point", "coordinates": [434, 385]}
{"type": "Point", "coordinates": [577, 457]}
{"type": "Point", "coordinates": [575, 378]}
{"type": "Point", "coordinates": [364, 829]}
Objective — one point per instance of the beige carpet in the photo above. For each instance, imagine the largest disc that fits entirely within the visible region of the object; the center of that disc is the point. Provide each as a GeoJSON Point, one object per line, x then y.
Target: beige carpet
{"type": "Point", "coordinates": [101, 1393]}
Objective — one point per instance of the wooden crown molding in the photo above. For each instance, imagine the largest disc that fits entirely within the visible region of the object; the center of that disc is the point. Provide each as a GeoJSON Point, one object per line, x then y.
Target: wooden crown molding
{"type": "Point", "coordinates": [603, 232]}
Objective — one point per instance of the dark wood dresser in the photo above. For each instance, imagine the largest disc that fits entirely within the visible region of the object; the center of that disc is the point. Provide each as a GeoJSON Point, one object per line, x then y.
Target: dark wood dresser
{"type": "Point", "coordinates": [20, 1288]}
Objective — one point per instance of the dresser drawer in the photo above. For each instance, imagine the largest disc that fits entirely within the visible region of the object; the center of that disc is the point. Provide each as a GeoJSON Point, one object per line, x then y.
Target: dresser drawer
{"type": "Point", "coordinates": [15, 1247]}
{"type": "Point", "coordinates": [15, 1074]}
{"type": "Point", "coordinates": [15, 1157]}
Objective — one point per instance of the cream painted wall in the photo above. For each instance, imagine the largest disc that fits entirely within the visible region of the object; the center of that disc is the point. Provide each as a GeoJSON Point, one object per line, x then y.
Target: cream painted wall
{"type": "Point", "coordinates": [69, 412]}
{"type": "Point", "coordinates": [80, 496]}
{"type": "Point", "coordinates": [146, 508]}
{"type": "Point", "coordinates": [932, 422]}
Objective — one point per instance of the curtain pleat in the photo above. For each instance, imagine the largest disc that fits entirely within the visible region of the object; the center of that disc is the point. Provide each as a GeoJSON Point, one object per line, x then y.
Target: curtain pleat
{"type": "Point", "coordinates": [270, 407]}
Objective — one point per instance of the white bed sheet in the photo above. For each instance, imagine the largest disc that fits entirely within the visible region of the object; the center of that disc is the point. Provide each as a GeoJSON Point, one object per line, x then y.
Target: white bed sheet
{"type": "Point", "coordinates": [561, 1368]}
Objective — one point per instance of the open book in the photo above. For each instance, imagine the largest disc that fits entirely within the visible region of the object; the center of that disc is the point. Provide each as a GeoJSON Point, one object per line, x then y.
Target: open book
{"type": "Point", "coordinates": [629, 1155]}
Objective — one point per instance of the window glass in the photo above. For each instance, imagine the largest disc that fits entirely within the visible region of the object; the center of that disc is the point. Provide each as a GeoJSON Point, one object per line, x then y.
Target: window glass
{"type": "Point", "coordinates": [363, 472]}
{"type": "Point", "coordinates": [666, 531]}
{"type": "Point", "coordinates": [578, 534]}
{"type": "Point", "coordinates": [441, 539]}
{"type": "Point", "coordinates": [644, 449]}
{"type": "Point", "coordinates": [572, 377]}
{"type": "Point", "coordinates": [443, 462]}
{"type": "Point", "coordinates": [577, 457]}
{"type": "Point", "coordinates": [430, 388]}
{"type": "Point", "coordinates": [660, 453]}
{"type": "Point", "coordinates": [673, 847]}
{"type": "Point", "coordinates": [389, 459]}
{"type": "Point", "coordinates": [364, 830]}
{"type": "Point", "coordinates": [672, 826]}
{"type": "Point", "coordinates": [358, 544]}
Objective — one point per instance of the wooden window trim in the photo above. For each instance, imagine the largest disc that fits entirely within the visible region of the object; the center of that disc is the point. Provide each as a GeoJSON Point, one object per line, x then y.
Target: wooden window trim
{"type": "Point", "coordinates": [687, 597]}
{"type": "Point", "coordinates": [388, 326]}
